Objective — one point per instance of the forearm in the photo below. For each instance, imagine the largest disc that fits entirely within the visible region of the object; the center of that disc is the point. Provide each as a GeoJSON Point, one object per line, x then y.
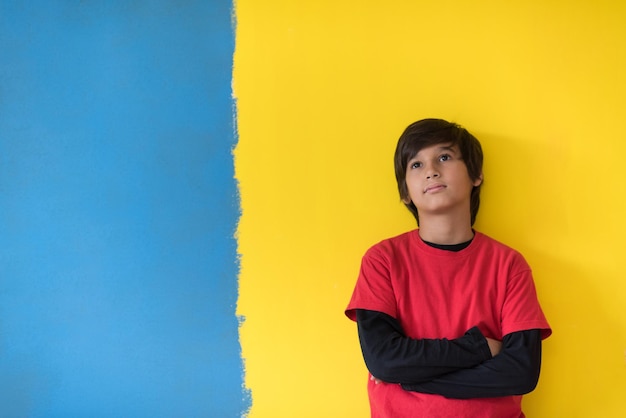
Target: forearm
{"type": "Point", "coordinates": [515, 371]}
{"type": "Point", "coordinates": [393, 357]}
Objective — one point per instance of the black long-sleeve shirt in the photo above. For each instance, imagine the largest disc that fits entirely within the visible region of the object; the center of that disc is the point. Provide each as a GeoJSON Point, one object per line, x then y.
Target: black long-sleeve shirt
{"type": "Point", "coordinates": [460, 368]}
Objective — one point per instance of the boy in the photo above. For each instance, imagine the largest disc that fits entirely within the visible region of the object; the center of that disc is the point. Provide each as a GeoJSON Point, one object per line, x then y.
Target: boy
{"type": "Point", "coordinates": [448, 318]}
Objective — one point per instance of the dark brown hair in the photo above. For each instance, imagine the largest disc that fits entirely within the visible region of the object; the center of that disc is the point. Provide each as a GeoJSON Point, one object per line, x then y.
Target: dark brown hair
{"type": "Point", "coordinates": [427, 132]}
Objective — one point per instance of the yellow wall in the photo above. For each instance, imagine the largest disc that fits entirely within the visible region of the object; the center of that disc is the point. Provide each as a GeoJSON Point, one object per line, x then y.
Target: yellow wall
{"type": "Point", "coordinates": [324, 89]}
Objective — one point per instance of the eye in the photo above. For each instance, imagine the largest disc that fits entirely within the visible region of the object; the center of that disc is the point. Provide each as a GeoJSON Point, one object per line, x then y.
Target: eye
{"type": "Point", "coordinates": [444, 157]}
{"type": "Point", "coordinates": [416, 164]}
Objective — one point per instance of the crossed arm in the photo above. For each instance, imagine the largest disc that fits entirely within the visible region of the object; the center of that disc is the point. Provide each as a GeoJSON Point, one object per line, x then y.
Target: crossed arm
{"type": "Point", "coordinates": [470, 366]}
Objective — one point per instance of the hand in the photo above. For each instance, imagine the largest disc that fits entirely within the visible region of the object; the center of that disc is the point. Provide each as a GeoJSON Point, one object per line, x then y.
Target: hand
{"type": "Point", "coordinates": [375, 380]}
{"type": "Point", "coordinates": [494, 346]}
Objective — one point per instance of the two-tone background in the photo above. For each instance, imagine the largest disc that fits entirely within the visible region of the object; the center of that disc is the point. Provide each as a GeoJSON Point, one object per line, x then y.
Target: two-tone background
{"type": "Point", "coordinates": [186, 189]}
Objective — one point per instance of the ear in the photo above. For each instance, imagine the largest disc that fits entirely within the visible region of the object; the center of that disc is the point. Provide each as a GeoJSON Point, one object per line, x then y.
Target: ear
{"type": "Point", "coordinates": [406, 200]}
{"type": "Point", "coordinates": [478, 181]}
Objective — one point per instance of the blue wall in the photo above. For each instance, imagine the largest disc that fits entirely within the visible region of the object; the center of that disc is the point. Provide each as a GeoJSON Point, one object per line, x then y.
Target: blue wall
{"type": "Point", "coordinates": [118, 267]}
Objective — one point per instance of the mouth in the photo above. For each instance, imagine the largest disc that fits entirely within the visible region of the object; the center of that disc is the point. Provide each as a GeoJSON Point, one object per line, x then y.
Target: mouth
{"type": "Point", "coordinates": [434, 188]}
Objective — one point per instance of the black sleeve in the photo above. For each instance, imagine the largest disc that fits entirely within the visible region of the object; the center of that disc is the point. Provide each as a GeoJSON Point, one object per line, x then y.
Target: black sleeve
{"type": "Point", "coordinates": [514, 371]}
{"type": "Point", "coordinates": [392, 357]}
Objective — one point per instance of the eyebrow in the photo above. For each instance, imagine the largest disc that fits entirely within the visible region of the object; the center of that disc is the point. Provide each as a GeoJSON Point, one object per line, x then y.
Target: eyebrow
{"type": "Point", "coordinates": [449, 148]}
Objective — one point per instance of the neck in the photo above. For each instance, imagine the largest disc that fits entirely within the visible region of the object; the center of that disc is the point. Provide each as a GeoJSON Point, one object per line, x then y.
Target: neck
{"type": "Point", "coordinates": [446, 230]}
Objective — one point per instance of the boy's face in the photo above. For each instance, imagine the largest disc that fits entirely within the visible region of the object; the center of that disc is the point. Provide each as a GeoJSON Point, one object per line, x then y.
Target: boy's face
{"type": "Point", "coordinates": [438, 182]}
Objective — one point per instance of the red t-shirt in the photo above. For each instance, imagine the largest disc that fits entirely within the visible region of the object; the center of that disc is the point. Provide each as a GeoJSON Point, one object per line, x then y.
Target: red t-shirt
{"type": "Point", "coordinates": [435, 293]}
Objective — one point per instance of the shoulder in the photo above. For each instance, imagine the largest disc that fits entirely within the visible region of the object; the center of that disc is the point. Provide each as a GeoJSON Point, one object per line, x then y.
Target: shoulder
{"type": "Point", "coordinates": [401, 243]}
{"type": "Point", "coordinates": [493, 243]}
{"type": "Point", "coordinates": [392, 251]}
{"type": "Point", "coordinates": [498, 251]}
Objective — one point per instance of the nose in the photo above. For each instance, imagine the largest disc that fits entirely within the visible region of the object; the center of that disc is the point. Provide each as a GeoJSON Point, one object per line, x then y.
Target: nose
{"type": "Point", "coordinates": [431, 170]}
